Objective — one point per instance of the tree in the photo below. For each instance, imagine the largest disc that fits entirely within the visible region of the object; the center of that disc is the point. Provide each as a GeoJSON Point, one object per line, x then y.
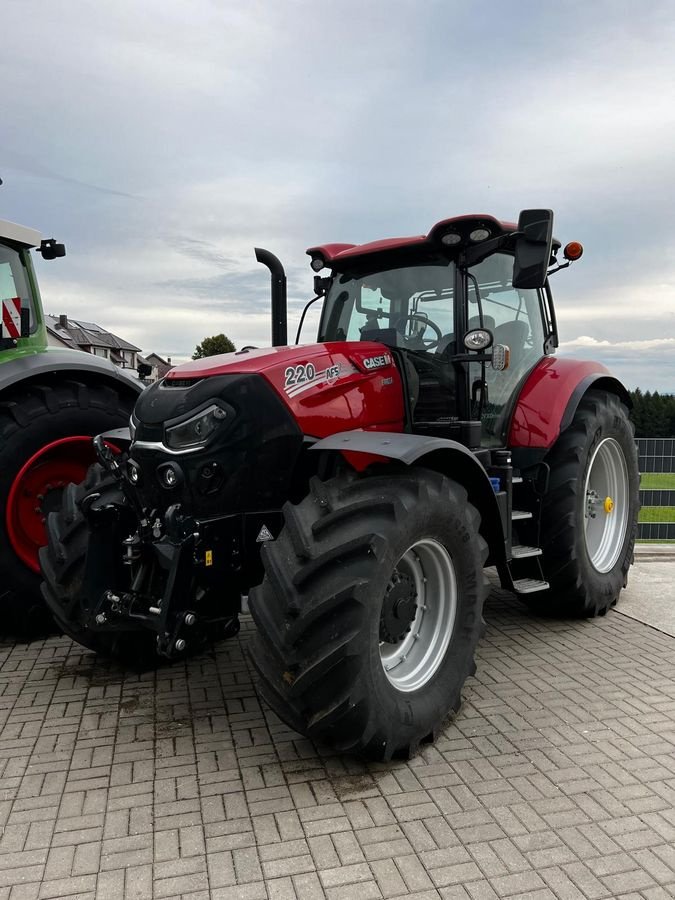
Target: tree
{"type": "Point", "coordinates": [212, 346]}
{"type": "Point", "coordinates": [653, 414]}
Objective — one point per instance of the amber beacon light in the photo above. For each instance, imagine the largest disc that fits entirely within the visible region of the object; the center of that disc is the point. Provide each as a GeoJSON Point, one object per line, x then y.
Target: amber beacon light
{"type": "Point", "coordinates": [573, 251]}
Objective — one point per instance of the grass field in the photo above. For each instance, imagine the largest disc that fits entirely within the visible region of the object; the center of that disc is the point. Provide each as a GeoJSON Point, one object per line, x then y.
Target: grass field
{"type": "Point", "coordinates": [657, 514]}
{"type": "Point", "coordinates": [658, 482]}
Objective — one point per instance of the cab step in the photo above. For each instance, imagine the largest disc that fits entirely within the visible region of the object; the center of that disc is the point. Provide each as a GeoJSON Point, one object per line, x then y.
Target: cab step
{"type": "Point", "coordinates": [522, 552]}
{"type": "Point", "coordinates": [529, 585]}
{"type": "Point", "coordinates": [518, 514]}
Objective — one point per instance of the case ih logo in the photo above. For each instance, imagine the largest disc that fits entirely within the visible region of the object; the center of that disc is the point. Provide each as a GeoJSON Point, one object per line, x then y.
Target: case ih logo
{"type": "Point", "coordinates": [10, 326]}
{"type": "Point", "coordinates": [376, 362]}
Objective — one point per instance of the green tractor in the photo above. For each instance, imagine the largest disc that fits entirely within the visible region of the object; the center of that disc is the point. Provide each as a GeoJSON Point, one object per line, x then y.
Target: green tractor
{"type": "Point", "coordinates": [52, 401]}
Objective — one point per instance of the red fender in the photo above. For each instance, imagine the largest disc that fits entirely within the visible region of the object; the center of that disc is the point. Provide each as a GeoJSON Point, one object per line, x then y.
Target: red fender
{"type": "Point", "coordinates": [550, 396]}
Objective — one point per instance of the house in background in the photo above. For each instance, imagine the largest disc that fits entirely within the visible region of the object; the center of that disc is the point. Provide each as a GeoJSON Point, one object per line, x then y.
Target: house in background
{"type": "Point", "coordinates": [91, 338]}
{"type": "Point", "coordinates": [159, 366]}
{"type": "Point", "coordinates": [87, 336]}
{"type": "Point", "coordinates": [58, 338]}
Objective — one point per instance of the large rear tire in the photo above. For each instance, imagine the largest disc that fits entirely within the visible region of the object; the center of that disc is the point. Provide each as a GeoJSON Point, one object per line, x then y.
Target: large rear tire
{"type": "Point", "coordinates": [370, 610]}
{"type": "Point", "coordinates": [45, 443]}
{"type": "Point", "coordinates": [589, 513]}
{"type": "Point", "coordinates": [62, 561]}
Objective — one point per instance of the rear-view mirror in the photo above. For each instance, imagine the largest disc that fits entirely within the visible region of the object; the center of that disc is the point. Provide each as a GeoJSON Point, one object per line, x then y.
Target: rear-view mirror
{"type": "Point", "coordinates": [51, 249]}
{"type": "Point", "coordinates": [533, 248]}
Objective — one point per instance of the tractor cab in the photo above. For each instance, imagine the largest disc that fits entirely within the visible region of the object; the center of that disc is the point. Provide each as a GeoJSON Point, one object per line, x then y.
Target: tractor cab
{"type": "Point", "coordinates": [466, 311]}
{"type": "Point", "coordinates": [21, 323]}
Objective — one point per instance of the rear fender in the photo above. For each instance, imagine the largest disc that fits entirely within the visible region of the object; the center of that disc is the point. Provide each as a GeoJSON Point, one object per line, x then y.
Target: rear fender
{"type": "Point", "coordinates": [440, 454]}
{"type": "Point", "coordinates": [550, 397]}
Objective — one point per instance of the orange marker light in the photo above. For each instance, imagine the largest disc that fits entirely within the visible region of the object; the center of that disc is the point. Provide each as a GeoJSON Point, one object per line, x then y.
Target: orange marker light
{"type": "Point", "coordinates": [573, 251]}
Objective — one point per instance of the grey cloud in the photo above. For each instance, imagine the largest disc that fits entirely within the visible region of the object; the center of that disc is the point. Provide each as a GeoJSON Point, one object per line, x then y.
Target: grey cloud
{"type": "Point", "coordinates": [286, 125]}
{"type": "Point", "coordinates": [648, 364]}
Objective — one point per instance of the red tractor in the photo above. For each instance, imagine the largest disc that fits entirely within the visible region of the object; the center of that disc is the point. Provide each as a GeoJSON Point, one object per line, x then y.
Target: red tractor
{"type": "Point", "coordinates": [357, 488]}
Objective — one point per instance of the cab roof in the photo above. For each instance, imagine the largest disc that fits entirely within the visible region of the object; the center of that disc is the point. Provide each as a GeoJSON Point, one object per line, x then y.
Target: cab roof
{"type": "Point", "coordinates": [339, 256]}
{"type": "Point", "coordinates": [19, 234]}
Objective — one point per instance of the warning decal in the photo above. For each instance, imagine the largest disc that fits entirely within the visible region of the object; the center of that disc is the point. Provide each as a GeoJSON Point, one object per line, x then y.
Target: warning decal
{"type": "Point", "coordinates": [10, 326]}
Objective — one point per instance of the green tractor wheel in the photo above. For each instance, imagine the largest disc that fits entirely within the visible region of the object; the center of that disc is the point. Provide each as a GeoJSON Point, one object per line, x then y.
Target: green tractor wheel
{"type": "Point", "coordinates": [45, 444]}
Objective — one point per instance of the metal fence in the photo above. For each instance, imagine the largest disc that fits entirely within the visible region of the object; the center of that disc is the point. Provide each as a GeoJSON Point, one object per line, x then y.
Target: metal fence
{"type": "Point", "coordinates": [656, 455]}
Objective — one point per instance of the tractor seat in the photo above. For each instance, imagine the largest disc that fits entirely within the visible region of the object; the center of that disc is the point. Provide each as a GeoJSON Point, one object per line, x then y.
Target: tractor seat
{"type": "Point", "coordinates": [514, 335]}
{"type": "Point", "coordinates": [488, 322]}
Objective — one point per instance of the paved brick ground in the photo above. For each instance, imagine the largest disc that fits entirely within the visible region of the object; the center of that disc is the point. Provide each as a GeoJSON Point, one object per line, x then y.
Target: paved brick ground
{"type": "Point", "coordinates": [556, 780]}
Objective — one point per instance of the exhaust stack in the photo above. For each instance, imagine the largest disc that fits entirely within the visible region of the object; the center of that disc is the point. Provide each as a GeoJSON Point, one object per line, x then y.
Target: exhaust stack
{"type": "Point", "coordinates": [278, 283]}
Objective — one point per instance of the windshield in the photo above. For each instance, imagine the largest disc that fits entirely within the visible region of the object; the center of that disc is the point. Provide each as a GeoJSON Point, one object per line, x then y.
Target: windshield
{"type": "Point", "coordinates": [415, 301]}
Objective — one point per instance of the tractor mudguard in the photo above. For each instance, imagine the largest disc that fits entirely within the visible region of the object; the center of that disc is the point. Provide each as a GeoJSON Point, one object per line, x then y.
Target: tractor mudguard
{"type": "Point", "coordinates": [550, 397]}
{"type": "Point", "coordinates": [74, 362]}
{"type": "Point", "coordinates": [440, 454]}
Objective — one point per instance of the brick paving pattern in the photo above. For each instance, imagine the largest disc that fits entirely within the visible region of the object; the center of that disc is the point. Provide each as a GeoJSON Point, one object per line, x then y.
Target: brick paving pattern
{"type": "Point", "coordinates": [557, 780]}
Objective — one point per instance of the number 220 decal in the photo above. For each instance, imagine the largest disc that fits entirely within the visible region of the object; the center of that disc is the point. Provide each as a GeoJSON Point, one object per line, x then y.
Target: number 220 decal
{"type": "Point", "coordinates": [298, 379]}
{"type": "Point", "coordinates": [299, 374]}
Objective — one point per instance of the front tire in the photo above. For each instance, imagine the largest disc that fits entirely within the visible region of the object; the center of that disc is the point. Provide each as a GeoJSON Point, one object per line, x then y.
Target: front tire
{"type": "Point", "coordinates": [63, 561]}
{"type": "Point", "coordinates": [370, 610]}
{"type": "Point", "coordinates": [589, 513]}
{"type": "Point", "coordinates": [45, 443]}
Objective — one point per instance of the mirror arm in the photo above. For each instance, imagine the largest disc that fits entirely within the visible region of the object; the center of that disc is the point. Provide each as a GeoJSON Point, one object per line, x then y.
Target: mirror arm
{"type": "Point", "coordinates": [557, 268]}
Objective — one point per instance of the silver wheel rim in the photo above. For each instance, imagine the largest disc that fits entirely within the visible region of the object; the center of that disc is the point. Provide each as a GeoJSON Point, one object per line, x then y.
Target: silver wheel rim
{"type": "Point", "coordinates": [414, 660]}
{"type": "Point", "coordinates": [606, 505]}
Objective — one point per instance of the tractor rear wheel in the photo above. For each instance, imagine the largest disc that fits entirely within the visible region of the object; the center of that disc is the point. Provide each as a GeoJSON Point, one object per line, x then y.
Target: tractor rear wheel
{"type": "Point", "coordinates": [62, 561]}
{"type": "Point", "coordinates": [45, 443]}
{"type": "Point", "coordinates": [589, 513]}
{"type": "Point", "coordinates": [370, 610]}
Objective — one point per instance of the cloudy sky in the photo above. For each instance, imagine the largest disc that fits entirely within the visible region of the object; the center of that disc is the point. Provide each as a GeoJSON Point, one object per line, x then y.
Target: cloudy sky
{"type": "Point", "coordinates": [163, 140]}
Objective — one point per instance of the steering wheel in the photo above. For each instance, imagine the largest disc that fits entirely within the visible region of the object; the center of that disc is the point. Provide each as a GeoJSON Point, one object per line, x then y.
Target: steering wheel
{"type": "Point", "coordinates": [416, 317]}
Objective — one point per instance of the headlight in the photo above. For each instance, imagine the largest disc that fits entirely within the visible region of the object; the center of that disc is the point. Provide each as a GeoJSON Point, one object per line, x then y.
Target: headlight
{"type": "Point", "coordinates": [479, 234]}
{"type": "Point", "coordinates": [451, 238]}
{"type": "Point", "coordinates": [478, 339]}
{"type": "Point", "coordinates": [197, 430]}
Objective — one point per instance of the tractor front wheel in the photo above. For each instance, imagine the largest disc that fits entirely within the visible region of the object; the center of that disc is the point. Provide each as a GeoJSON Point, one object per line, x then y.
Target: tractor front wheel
{"type": "Point", "coordinates": [370, 610]}
{"type": "Point", "coordinates": [63, 561]}
{"type": "Point", "coordinates": [589, 513]}
{"type": "Point", "coordinates": [45, 443]}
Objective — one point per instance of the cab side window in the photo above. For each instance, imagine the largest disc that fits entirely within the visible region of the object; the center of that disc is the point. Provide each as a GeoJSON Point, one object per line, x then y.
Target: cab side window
{"type": "Point", "coordinates": [513, 315]}
{"type": "Point", "coordinates": [515, 318]}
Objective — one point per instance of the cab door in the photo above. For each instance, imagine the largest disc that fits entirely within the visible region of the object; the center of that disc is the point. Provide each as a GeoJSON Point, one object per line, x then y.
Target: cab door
{"type": "Point", "coordinates": [515, 318]}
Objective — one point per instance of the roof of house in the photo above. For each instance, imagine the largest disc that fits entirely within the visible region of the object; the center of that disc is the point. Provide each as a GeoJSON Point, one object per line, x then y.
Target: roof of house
{"type": "Point", "coordinates": [162, 365]}
{"type": "Point", "coordinates": [61, 334]}
{"type": "Point", "coordinates": [156, 359]}
{"type": "Point", "coordinates": [88, 334]}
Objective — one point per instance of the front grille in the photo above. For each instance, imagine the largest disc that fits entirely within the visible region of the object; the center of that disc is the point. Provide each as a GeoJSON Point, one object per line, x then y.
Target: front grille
{"type": "Point", "coordinates": [181, 382]}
